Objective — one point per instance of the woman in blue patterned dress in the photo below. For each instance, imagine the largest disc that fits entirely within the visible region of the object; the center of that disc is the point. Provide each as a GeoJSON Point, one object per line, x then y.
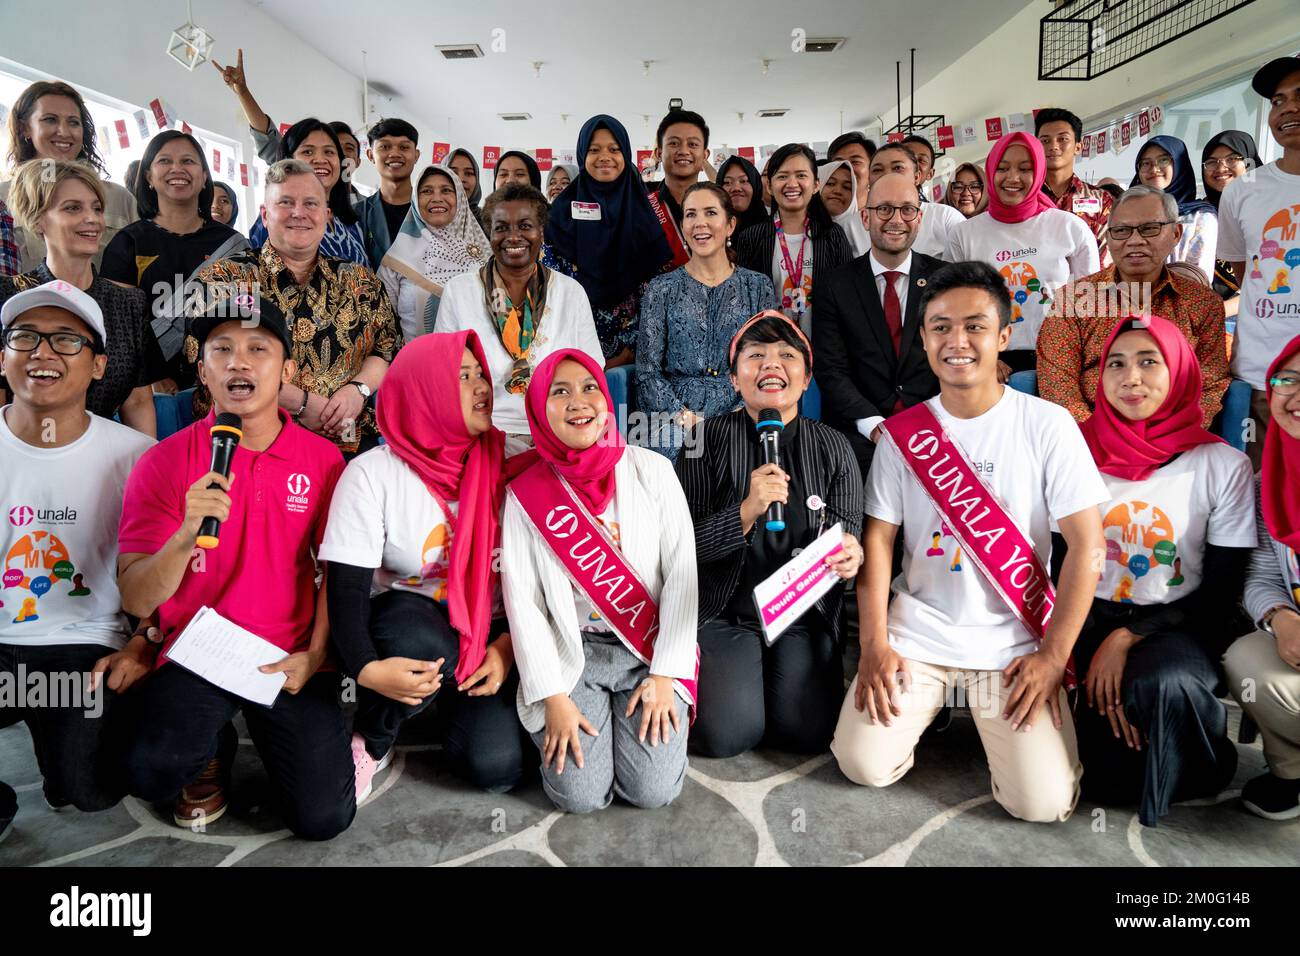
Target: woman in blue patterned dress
{"type": "Point", "coordinates": [688, 318]}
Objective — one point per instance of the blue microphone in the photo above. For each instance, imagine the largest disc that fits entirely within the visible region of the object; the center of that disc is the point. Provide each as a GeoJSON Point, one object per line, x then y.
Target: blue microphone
{"type": "Point", "coordinates": [769, 427]}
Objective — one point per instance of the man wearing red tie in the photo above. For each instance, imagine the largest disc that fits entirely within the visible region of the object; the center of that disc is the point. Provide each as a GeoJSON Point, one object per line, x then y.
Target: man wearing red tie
{"type": "Point", "coordinates": [870, 360]}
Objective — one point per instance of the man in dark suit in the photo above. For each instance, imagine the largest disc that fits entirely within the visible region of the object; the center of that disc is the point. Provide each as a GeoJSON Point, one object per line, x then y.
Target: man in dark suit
{"type": "Point", "coordinates": [870, 361]}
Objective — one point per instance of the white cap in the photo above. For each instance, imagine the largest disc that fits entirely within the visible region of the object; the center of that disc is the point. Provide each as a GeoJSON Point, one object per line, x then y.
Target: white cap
{"type": "Point", "coordinates": [61, 295]}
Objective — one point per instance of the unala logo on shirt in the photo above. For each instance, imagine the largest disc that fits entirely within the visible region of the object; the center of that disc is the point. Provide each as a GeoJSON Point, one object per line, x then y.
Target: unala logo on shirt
{"type": "Point", "coordinates": [1006, 255]}
{"type": "Point", "coordinates": [298, 485]}
{"type": "Point", "coordinates": [23, 515]}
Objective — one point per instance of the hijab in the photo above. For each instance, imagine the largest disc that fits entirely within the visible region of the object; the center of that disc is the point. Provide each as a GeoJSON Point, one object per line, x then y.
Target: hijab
{"type": "Point", "coordinates": [419, 413]}
{"type": "Point", "coordinates": [1243, 144]}
{"type": "Point", "coordinates": [757, 212]}
{"type": "Point", "coordinates": [443, 252]}
{"type": "Point", "coordinates": [1183, 186]}
{"type": "Point", "coordinates": [850, 220]}
{"type": "Point", "coordinates": [984, 181]}
{"type": "Point", "coordinates": [590, 472]}
{"type": "Point", "coordinates": [534, 174]}
{"type": "Point", "coordinates": [569, 168]}
{"type": "Point", "coordinates": [1133, 450]}
{"type": "Point", "coordinates": [234, 202]}
{"type": "Point", "coordinates": [1035, 201]}
{"type": "Point", "coordinates": [1280, 488]}
{"type": "Point", "coordinates": [476, 197]}
{"type": "Point", "coordinates": [626, 246]}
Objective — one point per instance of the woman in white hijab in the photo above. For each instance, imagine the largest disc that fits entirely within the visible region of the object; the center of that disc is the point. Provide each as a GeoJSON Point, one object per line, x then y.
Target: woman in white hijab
{"type": "Point", "coordinates": [839, 191]}
{"type": "Point", "coordinates": [439, 239]}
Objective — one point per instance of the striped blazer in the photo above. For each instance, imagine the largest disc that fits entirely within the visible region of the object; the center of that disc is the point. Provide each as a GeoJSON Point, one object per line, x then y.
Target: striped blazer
{"type": "Point", "coordinates": [714, 473]}
{"type": "Point", "coordinates": [656, 540]}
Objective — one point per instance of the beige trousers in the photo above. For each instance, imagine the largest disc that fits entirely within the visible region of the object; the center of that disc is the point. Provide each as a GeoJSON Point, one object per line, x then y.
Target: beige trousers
{"type": "Point", "coordinates": [1035, 772]}
{"type": "Point", "coordinates": [1256, 671]}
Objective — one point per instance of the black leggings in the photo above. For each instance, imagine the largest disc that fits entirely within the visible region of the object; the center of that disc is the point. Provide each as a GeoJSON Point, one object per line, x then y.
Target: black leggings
{"type": "Point", "coordinates": [484, 738]}
{"type": "Point", "coordinates": [1170, 691]}
{"type": "Point", "coordinates": [787, 695]}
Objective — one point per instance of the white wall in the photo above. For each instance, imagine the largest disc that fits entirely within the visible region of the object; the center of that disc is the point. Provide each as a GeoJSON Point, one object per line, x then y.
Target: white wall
{"type": "Point", "coordinates": [1000, 75]}
{"type": "Point", "coordinates": [118, 48]}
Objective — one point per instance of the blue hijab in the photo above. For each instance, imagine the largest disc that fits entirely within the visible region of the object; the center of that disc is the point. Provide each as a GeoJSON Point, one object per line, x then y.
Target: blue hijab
{"type": "Point", "coordinates": [626, 246]}
{"type": "Point", "coordinates": [1183, 186]}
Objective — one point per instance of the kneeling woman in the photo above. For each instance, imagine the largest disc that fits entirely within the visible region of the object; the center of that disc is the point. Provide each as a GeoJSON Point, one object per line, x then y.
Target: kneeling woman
{"type": "Point", "coordinates": [787, 693]}
{"type": "Point", "coordinates": [415, 521]}
{"type": "Point", "coordinates": [1179, 529]}
{"type": "Point", "coordinates": [598, 570]}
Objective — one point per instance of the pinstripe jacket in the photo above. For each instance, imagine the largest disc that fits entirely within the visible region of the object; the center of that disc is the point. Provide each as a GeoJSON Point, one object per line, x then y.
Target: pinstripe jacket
{"type": "Point", "coordinates": [715, 476]}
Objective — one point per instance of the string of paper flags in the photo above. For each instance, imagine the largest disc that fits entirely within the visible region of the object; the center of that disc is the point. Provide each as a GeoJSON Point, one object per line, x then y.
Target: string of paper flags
{"type": "Point", "coordinates": [121, 135]}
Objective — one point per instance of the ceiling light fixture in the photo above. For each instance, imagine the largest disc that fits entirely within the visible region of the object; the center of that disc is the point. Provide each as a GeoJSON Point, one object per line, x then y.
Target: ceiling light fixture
{"type": "Point", "coordinates": [537, 69]}
{"type": "Point", "coordinates": [766, 64]}
{"type": "Point", "coordinates": [189, 43]}
{"type": "Point", "coordinates": [645, 67]}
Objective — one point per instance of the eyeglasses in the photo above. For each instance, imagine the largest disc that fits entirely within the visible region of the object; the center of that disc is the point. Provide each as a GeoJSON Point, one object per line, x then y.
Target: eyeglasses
{"type": "Point", "coordinates": [886, 212]}
{"type": "Point", "coordinates": [1149, 164]}
{"type": "Point", "coordinates": [29, 340]}
{"type": "Point", "coordinates": [967, 188]}
{"type": "Point", "coordinates": [1147, 230]}
{"type": "Point", "coordinates": [1285, 385]}
{"type": "Point", "coordinates": [1224, 162]}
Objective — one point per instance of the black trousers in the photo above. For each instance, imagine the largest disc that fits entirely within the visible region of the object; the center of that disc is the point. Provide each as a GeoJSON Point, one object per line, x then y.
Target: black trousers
{"type": "Point", "coordinates": [787, 695]}
{"type": "Point", "coordinates": [181, 724]}
{"type": "Point", "coordinates": [1171, 689]}
{"type": "Point", "coordinates": [483, 736]}
{"type": "Point", "coordinates": [71, 731]}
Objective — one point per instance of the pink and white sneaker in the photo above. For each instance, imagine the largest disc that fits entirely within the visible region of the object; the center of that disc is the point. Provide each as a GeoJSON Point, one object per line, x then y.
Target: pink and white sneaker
{"type": "Point", "coordinates": [367, 766]}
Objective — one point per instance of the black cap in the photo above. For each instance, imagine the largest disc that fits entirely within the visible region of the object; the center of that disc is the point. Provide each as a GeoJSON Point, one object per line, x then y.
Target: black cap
{"type": "Point", "coordinates": [248, 310]}
{"type": "Point", "coordinates": [1272, 73]}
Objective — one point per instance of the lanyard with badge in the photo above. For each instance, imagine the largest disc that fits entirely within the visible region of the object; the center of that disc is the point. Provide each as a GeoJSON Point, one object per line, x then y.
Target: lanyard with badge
{"type": "Point", "coordinates": [793, 269]}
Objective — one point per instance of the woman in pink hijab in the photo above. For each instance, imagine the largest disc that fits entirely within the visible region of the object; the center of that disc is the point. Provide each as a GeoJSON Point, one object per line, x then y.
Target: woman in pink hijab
{"type": "Point", "coordinates": [415, 522]}
{"type": "Point", "coordinates": [1036, 247]}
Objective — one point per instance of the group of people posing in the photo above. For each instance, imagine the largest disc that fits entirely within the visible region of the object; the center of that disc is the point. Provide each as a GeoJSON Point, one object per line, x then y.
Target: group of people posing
{"type": "Point", "coordinates": [433, 496]}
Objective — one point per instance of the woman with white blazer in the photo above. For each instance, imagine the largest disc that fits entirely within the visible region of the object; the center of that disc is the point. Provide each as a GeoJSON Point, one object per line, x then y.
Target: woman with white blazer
{"type": "Point", "coordinates": [598, 573]}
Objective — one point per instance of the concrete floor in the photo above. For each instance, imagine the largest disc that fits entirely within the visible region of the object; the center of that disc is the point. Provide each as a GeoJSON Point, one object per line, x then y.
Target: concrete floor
{"type": "Point", "coordinates": [763, 808]}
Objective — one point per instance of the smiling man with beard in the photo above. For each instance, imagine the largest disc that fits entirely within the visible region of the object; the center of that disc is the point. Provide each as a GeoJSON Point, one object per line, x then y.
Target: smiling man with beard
{"type": "Point", "coordinates": [262, 577]}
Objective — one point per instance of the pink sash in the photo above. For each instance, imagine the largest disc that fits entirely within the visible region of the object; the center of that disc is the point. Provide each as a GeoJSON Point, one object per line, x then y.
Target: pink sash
{"type": "Point", "coordinates": [594, 564]}
{"type": "Point", "coordinates": [671, 232]}
{"type": "Point", "coordinates": [987, 534]}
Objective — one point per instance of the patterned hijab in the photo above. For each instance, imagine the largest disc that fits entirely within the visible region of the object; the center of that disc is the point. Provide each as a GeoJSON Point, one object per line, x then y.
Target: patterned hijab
{"type": "Point", "coordinates": [444, 252]}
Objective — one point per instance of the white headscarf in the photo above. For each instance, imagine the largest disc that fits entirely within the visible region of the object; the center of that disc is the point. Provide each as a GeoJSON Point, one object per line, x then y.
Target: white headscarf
{"type": "Point", "coordinates": [850, 220]}
{"type": "Point", "coordinates": [438, 254]}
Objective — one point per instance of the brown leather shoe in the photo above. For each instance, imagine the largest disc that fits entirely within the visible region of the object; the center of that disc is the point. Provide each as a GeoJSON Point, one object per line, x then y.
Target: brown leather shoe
{"type": "Point", "coordinates": [204, 800]}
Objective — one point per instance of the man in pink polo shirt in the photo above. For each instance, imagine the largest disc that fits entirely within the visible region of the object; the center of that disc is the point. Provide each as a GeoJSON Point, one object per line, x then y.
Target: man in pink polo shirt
{"type": "Point", "coordinates": [262, 576]}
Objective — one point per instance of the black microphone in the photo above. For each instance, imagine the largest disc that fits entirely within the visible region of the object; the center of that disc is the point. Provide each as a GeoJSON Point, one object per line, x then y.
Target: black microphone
{"type": "Point", "coordinates": [769, 427]}
{"type": "Point", "coordinates": [226, 434]}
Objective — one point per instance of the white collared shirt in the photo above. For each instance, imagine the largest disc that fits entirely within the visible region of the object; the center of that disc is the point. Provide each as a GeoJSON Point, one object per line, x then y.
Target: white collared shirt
{"type": "Point", "coordinates": [901, 284]}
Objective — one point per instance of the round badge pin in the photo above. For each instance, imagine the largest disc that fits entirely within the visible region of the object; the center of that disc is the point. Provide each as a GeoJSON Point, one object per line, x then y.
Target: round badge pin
{"type": "Point", "coordinates": [815, 503]}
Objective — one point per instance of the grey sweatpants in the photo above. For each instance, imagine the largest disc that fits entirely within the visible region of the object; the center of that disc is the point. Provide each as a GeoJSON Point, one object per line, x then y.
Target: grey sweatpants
{"type": "Point", "coordinates": [615, 761]}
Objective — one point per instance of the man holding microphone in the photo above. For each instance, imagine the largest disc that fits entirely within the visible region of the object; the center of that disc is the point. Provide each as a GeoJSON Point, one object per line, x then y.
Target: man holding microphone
{"type": "Point", "coordinates": [261, 575]}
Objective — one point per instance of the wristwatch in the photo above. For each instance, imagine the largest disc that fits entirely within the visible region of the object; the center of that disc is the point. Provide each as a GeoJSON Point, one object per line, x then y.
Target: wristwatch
{"type": "Point", "coordinates": [151, 634]}
{"type": "Point", "coordinates": [362, 387]}
{"type": "Point", "coordinates": [1266, 622]}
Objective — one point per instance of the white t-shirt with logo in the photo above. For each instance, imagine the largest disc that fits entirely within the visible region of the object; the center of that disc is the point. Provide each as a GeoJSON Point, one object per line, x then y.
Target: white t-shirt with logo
{"type": "Point", "coordinates": [1157, 529]}
{"type": "Point", "coordinates": [1259, 224]}
{"type": "Point", "coordinates": [61, 508]}
{"type": "Point", "coordinates": [1032, 456]}
{"type": "Point", "coordinates": [938, 220]}
{"type": "Point", "coordinates": [1036, 257]}
{"type": "Point", "coordinates": [800, 309]}
{"type": "Point", "coordinates": [382, 516]}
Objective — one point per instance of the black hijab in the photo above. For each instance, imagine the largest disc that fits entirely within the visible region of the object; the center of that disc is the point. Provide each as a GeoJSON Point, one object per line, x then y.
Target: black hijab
{"type": "Point", "coordinates": [1243, 144]}
{"type": "Point", "coordinates": [234, 202]}
{"type": "Point", "coordinates": [626, 245]}
{"type": "Point", "coordinates": [534, 174]}
{"type": "Point", "coordinates": [756, 213]}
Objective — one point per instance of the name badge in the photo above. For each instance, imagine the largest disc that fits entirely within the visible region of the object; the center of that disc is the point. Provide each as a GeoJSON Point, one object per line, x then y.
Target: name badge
{"type": "Point", "coordinates": [585, 210]}
{"type": "Point", "coordinates": [1087, 204]}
